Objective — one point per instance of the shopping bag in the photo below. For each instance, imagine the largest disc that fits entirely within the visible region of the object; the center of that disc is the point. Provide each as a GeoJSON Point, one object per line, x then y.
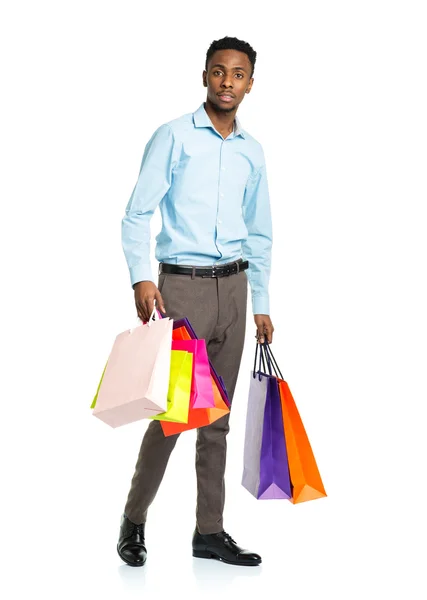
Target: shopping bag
{"type": "Point", "coordinates": [135, 381]}
{"type": "Point", "coordinates": [201, 384]}
{"type": "Point", "coordinates": [199, 417]}
{"type": "Point", "coordinates": [181, 373]}
{"type": "Point", "coordinates": [265, 462]}
{"type": "Point", "coordinates": [182, 330]}
{"type": "Point", "coordinates": [305, 477]}
{"type": "Point", "coordinates": [178, 400]}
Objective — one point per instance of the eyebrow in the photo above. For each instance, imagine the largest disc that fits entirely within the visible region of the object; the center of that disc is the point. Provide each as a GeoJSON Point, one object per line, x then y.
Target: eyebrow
{"type": "Point", "coordinates": [224, 67]}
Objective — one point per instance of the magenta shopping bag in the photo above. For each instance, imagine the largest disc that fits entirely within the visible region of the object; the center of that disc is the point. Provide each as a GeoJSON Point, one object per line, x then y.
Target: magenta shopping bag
{"type": "Point", "coordinates": [265, 470]}
{"type": "Point", "coordinates": [218, 379]}
{"type": "Point", "coordinates": [201, 383]}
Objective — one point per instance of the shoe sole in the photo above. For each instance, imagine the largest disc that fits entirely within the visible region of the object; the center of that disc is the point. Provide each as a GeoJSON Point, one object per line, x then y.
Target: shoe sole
{"type": "Point", "coordinates": [129, 563]}
{"type": "Point", "coordinates": [204, 554]}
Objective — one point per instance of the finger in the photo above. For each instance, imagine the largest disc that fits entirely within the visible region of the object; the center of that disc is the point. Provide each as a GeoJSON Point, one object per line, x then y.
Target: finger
{"type": "Point", "coordinates": [142, 315]}
{"type": "Point", "coordinates": [149, 307]}
{"type": "Point", "coordinates": [159, 302]}
{"type": "Point", "coordinates": [142, 311]}
{"type": "Point", "coordinates": [260, 334]}
{"type": "Point", "coordinates": [269, 334]}
{"type": "Point", "coordinates": [138, 310]}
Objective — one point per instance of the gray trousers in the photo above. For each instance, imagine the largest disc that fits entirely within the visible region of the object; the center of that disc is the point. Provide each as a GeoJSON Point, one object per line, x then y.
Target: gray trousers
{"type": "Point", "coordinates": [216, 308]}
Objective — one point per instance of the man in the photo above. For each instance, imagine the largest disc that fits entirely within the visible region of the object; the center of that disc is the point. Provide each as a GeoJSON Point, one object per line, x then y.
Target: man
{"type": "Point", "coordinates": [208, 176]}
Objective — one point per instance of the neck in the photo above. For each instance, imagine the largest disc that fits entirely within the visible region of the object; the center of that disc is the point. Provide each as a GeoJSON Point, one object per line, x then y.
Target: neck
{"type": "Point", "coordinates": [222, 120]}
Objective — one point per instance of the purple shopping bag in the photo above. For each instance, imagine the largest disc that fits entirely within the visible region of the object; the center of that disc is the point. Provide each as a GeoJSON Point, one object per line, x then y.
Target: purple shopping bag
{"type": "Point", "coordinates": [265, 470]}
{"type": "Point", "coordinates": [201, 383]}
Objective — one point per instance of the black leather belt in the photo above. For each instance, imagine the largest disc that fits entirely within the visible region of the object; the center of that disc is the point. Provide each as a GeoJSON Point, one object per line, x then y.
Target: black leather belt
{"type": "Point", "coordinates": [214, 271]}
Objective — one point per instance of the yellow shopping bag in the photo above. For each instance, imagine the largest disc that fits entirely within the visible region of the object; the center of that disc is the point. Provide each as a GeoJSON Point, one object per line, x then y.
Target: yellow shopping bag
{"type": "Point", "coordinates": [179, 388]}
{"type": "Point", "coordinates": [95, 398]}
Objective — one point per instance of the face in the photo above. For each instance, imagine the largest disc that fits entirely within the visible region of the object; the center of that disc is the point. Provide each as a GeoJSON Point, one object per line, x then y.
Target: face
{"type": "Point", "coordinates": [228, 78]}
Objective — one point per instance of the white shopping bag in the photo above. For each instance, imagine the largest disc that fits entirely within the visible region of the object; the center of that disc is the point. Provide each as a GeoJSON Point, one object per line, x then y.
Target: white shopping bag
{"type": "Point", "coordinates": [135, 382]}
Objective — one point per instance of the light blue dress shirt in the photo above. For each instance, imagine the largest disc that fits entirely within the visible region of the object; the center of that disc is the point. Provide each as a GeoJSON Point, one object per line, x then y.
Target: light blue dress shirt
{"type": "Point", "coordinates": [213, 198]}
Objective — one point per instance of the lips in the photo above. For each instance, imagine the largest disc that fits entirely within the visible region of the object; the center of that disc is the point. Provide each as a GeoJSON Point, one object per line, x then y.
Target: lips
{"type": "Point", "coordinates": [226, 97]}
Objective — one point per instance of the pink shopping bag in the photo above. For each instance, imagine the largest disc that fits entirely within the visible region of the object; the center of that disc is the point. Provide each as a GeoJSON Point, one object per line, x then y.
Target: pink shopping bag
{"type": "Point", "coordinates": [135, 383]}
{"type": "Point", "coordinates": [201, 385]}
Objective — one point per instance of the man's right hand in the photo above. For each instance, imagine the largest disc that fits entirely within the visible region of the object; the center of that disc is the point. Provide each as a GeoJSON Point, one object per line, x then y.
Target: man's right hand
{"type": "Point", "coordinates": [145, 294]}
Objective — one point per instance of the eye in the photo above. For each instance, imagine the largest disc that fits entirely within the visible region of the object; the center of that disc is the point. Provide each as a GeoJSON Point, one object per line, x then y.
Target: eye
{"type": "Point", "coordinates": [215, 72]}
{"type": "Point", "coordinates": [241, 74]}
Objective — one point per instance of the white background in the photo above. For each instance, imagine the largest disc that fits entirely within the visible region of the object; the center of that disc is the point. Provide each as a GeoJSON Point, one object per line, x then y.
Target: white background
{"type": "Point", "coordinates": [339, 105]}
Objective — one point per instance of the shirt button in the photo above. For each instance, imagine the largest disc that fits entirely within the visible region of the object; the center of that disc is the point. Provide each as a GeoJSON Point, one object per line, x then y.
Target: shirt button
{"type": "Point", "coordinates": [221, 194]}
{"type": "Point", "coordinates": [219, 221]}
{"type": "Point", "coordinates": [222, 168]}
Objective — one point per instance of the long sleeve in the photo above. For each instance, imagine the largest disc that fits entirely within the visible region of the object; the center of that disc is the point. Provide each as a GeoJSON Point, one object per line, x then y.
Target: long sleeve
{"type": "Point", "coordinates": [153, 182]}
{"type": "Point", "coordinates": [257, 247]}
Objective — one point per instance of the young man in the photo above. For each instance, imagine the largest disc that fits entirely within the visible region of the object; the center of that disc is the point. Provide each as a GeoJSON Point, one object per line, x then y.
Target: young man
{"type": "Point", "coordinates": [208, 176]}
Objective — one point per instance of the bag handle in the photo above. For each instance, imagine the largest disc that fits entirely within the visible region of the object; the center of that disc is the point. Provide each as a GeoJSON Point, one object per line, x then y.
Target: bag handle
{"type": "Point", "coordinates": [271, 361]}
{"type": "Point", "coordinates": [150, 321]}
{"type": "Point", "coordinates": [261, 358]}
{"type": "Point", "coordinates": [267, 359]}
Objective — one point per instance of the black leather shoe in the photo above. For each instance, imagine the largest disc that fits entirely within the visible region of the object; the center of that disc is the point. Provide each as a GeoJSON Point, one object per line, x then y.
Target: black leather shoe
{"type": "Point", "coordinates": [131, 544]}
{"type": "Point", "coordinates": [222, 547]}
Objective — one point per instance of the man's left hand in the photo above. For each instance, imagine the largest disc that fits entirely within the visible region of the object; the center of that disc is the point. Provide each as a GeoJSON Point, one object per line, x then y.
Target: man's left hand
{"type": "Point", "coordinates": [264, 328]}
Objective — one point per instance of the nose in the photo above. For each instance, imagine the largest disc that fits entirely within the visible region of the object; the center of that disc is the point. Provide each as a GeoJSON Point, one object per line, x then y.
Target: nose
{"type": "Point", "coordinates": [226, 82]}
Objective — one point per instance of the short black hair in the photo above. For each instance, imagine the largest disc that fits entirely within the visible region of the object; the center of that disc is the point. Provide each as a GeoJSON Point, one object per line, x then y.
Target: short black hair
{"type": "Point", "coordinates": [231, 43]}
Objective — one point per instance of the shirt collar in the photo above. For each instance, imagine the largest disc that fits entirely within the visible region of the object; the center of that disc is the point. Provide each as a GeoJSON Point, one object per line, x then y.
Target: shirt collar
{"type": "Point", "coordinates": [201, 119]}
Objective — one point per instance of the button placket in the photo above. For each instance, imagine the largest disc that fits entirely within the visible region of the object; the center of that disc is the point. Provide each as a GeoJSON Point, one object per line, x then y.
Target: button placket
{"type": "Point", "coordinates": [220, 195]}
{"type": "Point", "coordinates": [220, 179]}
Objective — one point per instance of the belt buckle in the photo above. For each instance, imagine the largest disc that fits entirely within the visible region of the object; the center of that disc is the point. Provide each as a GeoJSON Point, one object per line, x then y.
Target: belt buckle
{"type": "Point", "coordinates": [219, 271]}
{"type": "Point", "coordinates": [213, 273]}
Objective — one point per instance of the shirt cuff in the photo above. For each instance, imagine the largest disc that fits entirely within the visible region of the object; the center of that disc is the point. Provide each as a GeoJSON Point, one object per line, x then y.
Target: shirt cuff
{"type": "Point", "coordinates": [141, 272]}
{"type": "Point", "coordinates": [261, 305]}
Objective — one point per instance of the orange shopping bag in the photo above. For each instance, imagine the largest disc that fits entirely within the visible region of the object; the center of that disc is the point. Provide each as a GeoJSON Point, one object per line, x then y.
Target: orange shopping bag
{"type": "Point", "coordinates": [305, 477]}
{"type": "Point", "coordinates": [180, 333]}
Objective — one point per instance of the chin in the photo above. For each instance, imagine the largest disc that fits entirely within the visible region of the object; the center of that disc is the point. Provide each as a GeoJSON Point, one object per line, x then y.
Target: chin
{"type": "Point", "coordinates": [223, 108]}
